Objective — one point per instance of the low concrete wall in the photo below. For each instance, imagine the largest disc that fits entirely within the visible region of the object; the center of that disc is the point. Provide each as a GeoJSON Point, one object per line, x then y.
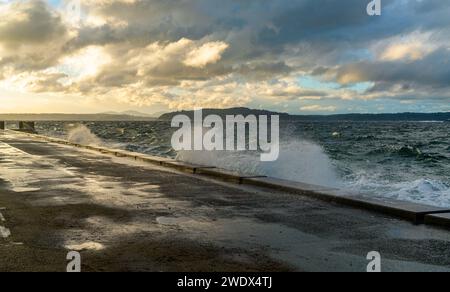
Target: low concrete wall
{"type": "Point", "coordinates": [415, 213]}
{"type": "Point", "coordinates": [28, 127]}
{"type": "Point", "coordinates": [225, 175]}
{"type": "Point", "coordinates": [410, 211]}
{"type": "Point", "coordinates": [184, 167]}
{"type": "Point", "coordinates": [442, 220]}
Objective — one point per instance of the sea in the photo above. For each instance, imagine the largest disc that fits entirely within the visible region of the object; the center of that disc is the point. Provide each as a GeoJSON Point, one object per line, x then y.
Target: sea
{"type": "Point", "coordinates": [408, 161]}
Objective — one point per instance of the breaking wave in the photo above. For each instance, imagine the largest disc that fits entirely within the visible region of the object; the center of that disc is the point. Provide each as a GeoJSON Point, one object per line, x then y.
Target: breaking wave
{"type": "Point", "coordinates": [299, 160]}
{"type": "Point", "coordinates": [82, 135]}
{"type": "Point", "coordinates": [426, 191]}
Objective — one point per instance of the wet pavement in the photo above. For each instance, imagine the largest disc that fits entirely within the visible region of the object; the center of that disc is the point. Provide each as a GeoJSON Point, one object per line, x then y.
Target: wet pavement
{"type": "Point", "coordinates": [124, 215]}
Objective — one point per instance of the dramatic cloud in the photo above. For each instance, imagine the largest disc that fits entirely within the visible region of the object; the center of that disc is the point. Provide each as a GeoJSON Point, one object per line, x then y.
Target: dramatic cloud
{"type": "Point", "coordinates": [294, 55]}
{"type": "Point", "coordinates": [431, 71]}
{"type": "Point", "coordinates": [32, 36]}
{"type": "Point", "coordinates": [29, 23]}
{"type": "Point", "coordinates": [208, 53]}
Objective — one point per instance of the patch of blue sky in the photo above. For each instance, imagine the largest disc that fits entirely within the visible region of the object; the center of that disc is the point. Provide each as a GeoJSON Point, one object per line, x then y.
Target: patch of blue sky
{"type": "Point", "coordinates": [55, 3]}
{"type": "Point", "coordinates": [310, 82]}
{"type": "Point", "coordinates": [360, 87]}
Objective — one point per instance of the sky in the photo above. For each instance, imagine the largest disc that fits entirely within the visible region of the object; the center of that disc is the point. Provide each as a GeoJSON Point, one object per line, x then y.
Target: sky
{"type": "Point", "coordinates": [296, 56]}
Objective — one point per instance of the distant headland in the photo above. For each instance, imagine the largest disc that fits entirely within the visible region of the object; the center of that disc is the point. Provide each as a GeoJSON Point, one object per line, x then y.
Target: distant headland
{"type": "Point", "coordinates": [443, 116]}
{"type": "Point", "coordinates": [107, 117]}
{"type": "Point", "coordinates": [135, 116]}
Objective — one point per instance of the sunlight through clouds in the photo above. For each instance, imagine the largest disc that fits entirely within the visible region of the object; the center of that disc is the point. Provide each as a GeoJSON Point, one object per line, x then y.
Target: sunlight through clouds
{"type": "Point", "coordinates": [177, 55]}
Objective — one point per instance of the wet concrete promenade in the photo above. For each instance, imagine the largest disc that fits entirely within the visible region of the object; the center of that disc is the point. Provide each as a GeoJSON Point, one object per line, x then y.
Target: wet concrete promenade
{"type": "Point", "coordinates": [124, 215]}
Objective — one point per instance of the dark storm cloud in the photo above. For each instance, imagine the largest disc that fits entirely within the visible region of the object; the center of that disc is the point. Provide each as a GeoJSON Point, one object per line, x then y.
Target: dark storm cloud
{"type": "Point", "coordinates": [31, 36]}
{"type": "Point", "coordinates": [34, 23]}
{"type": "Point", "coordinates": [257, 27]}
{"type": "Point", "coordinates": [433, 70]}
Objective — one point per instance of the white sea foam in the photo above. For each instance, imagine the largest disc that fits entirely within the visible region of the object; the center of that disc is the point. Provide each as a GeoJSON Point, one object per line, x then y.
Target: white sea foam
{"type": "Point", "coordinates": [426, 191]}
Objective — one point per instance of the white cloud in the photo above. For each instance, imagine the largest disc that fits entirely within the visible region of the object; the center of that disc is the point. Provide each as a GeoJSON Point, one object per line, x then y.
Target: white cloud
{"type": "Point", "coordinates": [85, 63]}
{"type": "Point", "coordinates": [318, 108]}
{"type": "Point", "coordinates": [208, 53]}
{"type": "Point", "coordinates": [411, 47]}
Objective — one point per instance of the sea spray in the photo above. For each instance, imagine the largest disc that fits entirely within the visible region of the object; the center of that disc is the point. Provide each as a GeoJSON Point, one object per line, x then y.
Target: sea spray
{"type": "Point", "coordinates": [81, 134]}
{"type": "Point", "coordinates": [234, 133]}
{"type": "Point", "coordinates": [299, 160]}
{"type": "Point", "coordinates": [304, 161]}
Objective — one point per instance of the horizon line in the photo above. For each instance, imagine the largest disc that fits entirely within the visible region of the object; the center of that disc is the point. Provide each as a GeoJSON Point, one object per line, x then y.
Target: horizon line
{"type": "Point", "coordinates": [189, 110]}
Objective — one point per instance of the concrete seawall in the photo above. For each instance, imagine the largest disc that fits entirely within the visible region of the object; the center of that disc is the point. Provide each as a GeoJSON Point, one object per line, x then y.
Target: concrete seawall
{"type": "Point", "coordinates": [132, 212]}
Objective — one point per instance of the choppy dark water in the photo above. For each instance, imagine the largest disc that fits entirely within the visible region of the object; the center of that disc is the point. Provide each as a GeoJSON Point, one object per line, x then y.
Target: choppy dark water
{"type": "Point", "coordinates": [402, 160]}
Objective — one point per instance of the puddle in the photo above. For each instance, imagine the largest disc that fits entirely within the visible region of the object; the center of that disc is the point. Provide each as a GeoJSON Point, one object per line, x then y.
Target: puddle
{"type": "Point", "coordinates": [95, 246]}
{"type": "Point", "coordinates": [4, 232]}
{"type": "Point", "coordinates": [15, 169]}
